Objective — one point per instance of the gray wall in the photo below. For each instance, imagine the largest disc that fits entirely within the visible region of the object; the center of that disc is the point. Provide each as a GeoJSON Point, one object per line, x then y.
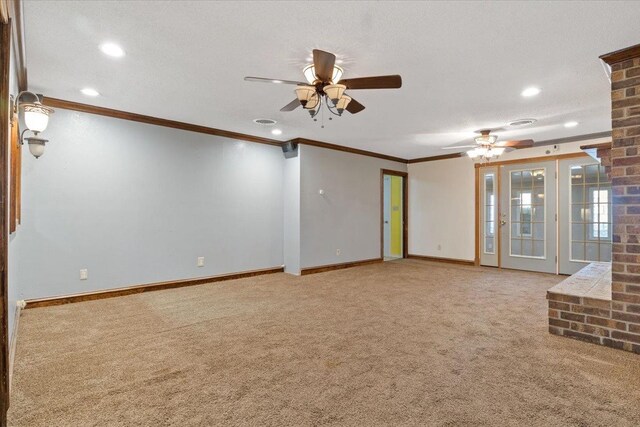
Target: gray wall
{"type": "Point", "coordinates": [292, 214]}
{"type": "Point", "coordinates": [347, 215]}
{"type": "Point", "coordinates": [135, 203]}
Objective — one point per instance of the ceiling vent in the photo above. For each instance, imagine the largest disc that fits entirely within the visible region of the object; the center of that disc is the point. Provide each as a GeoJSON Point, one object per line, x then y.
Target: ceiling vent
{"type": "Point", "coordinates": [522, 122]}
{"type": "Point", "coordinates": [265, 122]}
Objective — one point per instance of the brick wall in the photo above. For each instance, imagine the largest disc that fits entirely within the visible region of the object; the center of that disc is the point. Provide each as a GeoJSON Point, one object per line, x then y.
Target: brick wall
{"type": "Point", "coordinates": [625, 179]}
{"type": "Point", "coordinates": [604, 154]}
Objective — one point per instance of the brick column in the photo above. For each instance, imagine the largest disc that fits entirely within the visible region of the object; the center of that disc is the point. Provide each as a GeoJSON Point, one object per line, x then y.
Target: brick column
{"type": "Point", "coordinates": [625, 179]}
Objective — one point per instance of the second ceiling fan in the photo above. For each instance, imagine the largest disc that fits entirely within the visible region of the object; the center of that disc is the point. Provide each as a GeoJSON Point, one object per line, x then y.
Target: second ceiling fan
{"type": "Point", "coordinates": [326, 86]}
{"type": "Point", "coordinates": [487, 146]}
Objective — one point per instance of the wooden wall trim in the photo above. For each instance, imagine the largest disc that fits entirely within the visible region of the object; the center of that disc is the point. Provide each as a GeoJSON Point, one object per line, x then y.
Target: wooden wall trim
{"type": "Point", "coordinates": [137, 289]}
{"type": "Point", "coordinates": [445, 260]}
{"type": "Point", "coordinates": [405, 210]}
{"type": "Point", "coordinates": [433, 158]}
{"type": "Point", "coordinates": [532, 159]}
{"type": "Point", "coordinates": [134, 117]}
{"type": "Point", "coordinates": [141, 118]}
{"type": "Point", "coordinates": [331, 267]}
{"type": "Point", "coordinates": [630, 52]}
{"type": "Point", "coordinates": [16, 14]}
{"type": "Point", "coordinates": [5, 59]}
{"type": "Point", "coordinates": [477, 217]}
{"type": "Point", "coordinates": [351, 150]}
{"type": "Point", "coordinates": [596, 146]}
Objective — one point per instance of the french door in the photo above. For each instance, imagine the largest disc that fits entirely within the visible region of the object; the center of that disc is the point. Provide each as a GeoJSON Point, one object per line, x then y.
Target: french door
{"type": "Point", "coordinates": [527, 217]}
{"type": "Point", "coordinates": [585, 228]}
{"type": "Point", "coordinates": [547, 216]}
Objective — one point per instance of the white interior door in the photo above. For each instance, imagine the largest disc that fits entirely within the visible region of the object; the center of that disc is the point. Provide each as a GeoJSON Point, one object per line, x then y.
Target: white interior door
{"type": "Point", "coordinates": [585, 214]}
{"type": "Point", "coordinates": [528, 217]}
{"type": "Point", "coordinates": [488, 216]}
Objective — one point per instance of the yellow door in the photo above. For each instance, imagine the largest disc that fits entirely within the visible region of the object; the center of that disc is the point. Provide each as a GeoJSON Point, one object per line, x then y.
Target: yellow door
{"type": "Point", "coordinates": [396, 216]}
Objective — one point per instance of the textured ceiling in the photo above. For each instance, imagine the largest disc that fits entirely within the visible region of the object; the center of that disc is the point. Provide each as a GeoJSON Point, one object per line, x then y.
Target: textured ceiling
{"type": "Point", "coordinates": [463, 64]}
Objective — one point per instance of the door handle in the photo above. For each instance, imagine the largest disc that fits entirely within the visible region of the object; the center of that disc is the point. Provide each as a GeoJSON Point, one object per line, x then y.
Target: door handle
{"type": "Point", "coordinates": [386, 222]}
{"type": "Point", "coordinates": [503, 222]}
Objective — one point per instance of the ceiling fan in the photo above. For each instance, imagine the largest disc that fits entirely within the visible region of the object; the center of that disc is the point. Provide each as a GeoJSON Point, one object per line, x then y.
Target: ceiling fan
{"type": "Point", "coordinates": [325, 86]}
{"type": "Point", "coordinates": [488, 147]}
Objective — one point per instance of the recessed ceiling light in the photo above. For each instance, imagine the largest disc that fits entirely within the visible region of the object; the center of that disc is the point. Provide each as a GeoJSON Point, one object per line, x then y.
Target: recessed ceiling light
{"type": "Point", "coordinates": [90, 92]}
{"type": "Point", "coordinates": [522, 122]}
{"type": "Point", "coordinates": [530, 91]}
{"type": "Point", "coordinates": [276, 132]}
{"type": "Point", "coordinates": [112, 49]}
{"type": "Point", "coordinates": [571, 124]}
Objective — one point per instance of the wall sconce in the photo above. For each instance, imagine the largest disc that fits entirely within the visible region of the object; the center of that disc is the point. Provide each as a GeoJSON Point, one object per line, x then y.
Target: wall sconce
{"type": "Point", "coordinates": [36, 118]}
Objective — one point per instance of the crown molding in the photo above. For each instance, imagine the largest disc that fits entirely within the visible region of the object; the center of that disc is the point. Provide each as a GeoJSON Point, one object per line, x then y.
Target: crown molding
{"type": "Point", "coordinates": [134, 117]}
{"type": "Point", "coordinates": [625, 54]}
{"type": "Point", "coordinates": [345, 149]}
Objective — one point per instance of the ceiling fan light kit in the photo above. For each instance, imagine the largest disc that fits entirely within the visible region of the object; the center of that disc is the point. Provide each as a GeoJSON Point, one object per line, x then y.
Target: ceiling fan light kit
{"type": "Point", "coordinates": [304, 94]}
{"type": "Point", "coordinates": [325, 86]}
{"type": "Point", "coordinates": [487, 146]}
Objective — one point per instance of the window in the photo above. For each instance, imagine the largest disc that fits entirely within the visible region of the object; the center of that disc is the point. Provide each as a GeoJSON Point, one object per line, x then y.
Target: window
{"type": "Point", "coordinates": [490, 214]}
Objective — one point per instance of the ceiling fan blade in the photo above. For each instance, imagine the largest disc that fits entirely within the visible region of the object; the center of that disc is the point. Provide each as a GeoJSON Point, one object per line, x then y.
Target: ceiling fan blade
{"type": "Point", "coordinates": [378, 82]}
{"type": "Point", "coordinates": [291, 106]}
{"type": "Point", "coordinates": [525, 143]}
{"type": "Point", "coordinates": [460, 146]}
{"type": "Point", "coordinates": [491, 130]}
{"type": "Point", "coordinates": [276, 81]}
{"type": "Point", "coordinates": [323, 63]}
{"type": "Point", "coordinates": [354, 106]}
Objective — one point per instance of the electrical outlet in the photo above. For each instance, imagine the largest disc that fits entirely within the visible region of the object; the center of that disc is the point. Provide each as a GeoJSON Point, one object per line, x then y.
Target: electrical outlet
{"type": "Point", "coordinates": [439, 247]}
{"type": "Point", "coordinates": [338, 252]}
{"type": "Point", "coordinates": [200, 261]}
{"type": "Point", "coordinates": [84, 274]}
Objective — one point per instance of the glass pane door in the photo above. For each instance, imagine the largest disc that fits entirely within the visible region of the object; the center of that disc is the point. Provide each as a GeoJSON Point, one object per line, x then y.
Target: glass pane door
{"type": "Point", "coordinates": [528, 217]}
{"type": "Point", "coordinates": [585, 214]}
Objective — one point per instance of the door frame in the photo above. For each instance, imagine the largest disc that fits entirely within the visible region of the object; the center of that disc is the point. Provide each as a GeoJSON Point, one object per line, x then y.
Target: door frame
{"type": "Point", "coordinates": [498, 164]}
{"type": "Point", "coordinates": [405, 210]}
{"type": "Point", "coordinates": [5, 115]}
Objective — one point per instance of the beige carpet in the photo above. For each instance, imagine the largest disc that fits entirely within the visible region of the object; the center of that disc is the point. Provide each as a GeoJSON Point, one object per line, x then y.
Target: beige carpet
{"type": "Point", "coordinates": [400, 343]}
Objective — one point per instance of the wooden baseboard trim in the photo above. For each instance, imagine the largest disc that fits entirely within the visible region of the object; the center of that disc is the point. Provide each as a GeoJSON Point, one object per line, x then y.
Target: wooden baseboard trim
{"type": "Point", "coordinates": [439, 259]}
{"type": "Point", "coordinates": [330, 267]}
{"type": "Point", "coordinates": [137, 289]}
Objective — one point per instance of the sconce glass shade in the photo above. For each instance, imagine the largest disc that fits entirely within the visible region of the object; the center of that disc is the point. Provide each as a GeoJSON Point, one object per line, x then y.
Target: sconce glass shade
{"type": "Point", "coordinates": [36, 145]}
{"type": "Point", "coordinates": [36, 116]}
{"type": "Point", "coordinates": [476, 152]}
{"type": "Point", "coordinates": [334, 92]}
{"type": "Point", "coordinates": [310, 74]}
{"type": "Point", "coordinates": [304, 94]}
{"type": "Point", "coordinates": [342, 103]}
{"type": "Point", "coordinates": [486, 152]}
{"type": "Point", "coordinates": [497, 151]}
{"type": "Point", "coordinates": [313, 102]}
